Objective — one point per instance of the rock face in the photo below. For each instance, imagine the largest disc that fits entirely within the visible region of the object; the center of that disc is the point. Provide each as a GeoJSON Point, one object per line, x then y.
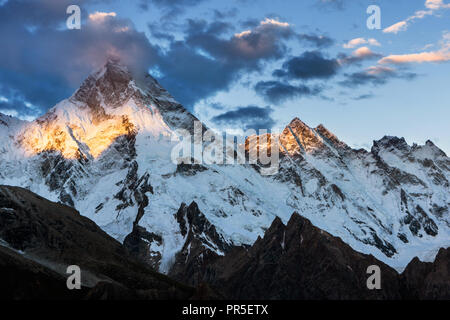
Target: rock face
{"type": "Point", "coordinates": [108, 152]}
{"type": "Point", "coordinates": [139, 242]}
{"type": "Point", "coordinates": [428, 281]}
{"type": "Point", "coordinates": [39, 239]}
{"type": "Point", "coordinates": [24, 279]}
{"type": "Point", "coordinates": [298, 261]}
{"type": "Point", "coordinates": [202, 245]}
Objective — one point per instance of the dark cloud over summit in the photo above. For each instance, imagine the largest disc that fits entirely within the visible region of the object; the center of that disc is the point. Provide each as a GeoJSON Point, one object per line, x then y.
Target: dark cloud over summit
{"type": "Point", "coordinates": [208, 61]}
{"type": "Point", "coordinates": [248, 117]}
{"type": "Point", "coordinates": [319, 41]}
{"type": "Point", "coordinates": [49, 62]}
{"type": "Point", "coordinates": [375, 76]}
{"type": "Point", "coordinates": [277, 92]}
{"type": "Point", "coordinates": [309, 65]}
{"type": "Point", "coordinates": [194, 59]}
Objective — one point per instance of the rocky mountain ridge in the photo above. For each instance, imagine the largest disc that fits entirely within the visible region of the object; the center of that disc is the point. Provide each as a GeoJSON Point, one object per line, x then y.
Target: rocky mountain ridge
{"type": "Point", "coordinates": [106, 151]}
{"type": "Point", "coordinates": [297, 261]}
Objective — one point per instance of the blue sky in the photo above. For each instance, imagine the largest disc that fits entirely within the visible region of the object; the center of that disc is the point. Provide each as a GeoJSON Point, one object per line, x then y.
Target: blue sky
{"type": "Point", "coordinates": [241, 64]}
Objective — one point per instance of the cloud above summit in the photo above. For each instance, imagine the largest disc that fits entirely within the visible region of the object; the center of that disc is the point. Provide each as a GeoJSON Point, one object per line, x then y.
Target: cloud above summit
{"type": "Point", "coordinates": [50, 61]}
{"type": "Point", "coordinates": [209, 58]}
{"type": "Point", "coordinates": [235, 53]}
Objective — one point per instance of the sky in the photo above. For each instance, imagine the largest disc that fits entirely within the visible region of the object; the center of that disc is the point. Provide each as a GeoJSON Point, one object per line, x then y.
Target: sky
{"type": "Point", "coordinates": [242, 64]}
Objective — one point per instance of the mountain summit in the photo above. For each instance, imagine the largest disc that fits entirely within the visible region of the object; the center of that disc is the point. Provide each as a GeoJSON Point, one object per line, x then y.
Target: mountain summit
{"type": "Point", "coordinates": [108, 105]}
{"type": "Point", "coordinates": [106, 152]}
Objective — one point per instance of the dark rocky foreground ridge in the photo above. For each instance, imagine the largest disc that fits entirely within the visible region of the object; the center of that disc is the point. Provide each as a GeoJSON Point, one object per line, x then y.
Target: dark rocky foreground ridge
{"type": "Point", "coordinates": [39, 239]}
{"type": "Point", "coordinates": [298, 261]}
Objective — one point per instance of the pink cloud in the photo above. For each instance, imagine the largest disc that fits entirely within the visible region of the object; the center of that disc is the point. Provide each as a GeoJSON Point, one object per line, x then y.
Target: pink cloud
{"type": "Point", "coordinates": [100, 16]}
{"type": "Point", "coordinates": [431, 5]}
{"type": "Point", "coordinates": [360, 41]}
{"type": "Point", "coordinates": [363, 52]}
{"type": "Point", "coordinates": [441, 55]}
{"type": "Point", "coordinates": [397, 27]}
{"type": "Point", "coordinates": [436, 56]}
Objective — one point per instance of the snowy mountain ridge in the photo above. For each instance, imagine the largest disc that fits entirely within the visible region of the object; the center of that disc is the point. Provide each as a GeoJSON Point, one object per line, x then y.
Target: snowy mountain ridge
{"type": "Point", "coordinates": [106, 151]}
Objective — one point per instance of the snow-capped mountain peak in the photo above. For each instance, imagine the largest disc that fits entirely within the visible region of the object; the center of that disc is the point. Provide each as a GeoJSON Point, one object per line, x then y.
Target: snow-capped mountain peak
{"type": "Point", "coordinates": [108, 105]}
{"type": "Point", "coordinates": [106, 151]}
{"type": "Point", "coordinates": [330, 137]}
{"type": "Point", "coordinates": [298, 135]}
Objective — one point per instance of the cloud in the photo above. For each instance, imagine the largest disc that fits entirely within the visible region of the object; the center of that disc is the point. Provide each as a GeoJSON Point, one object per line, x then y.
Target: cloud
{"type": "Point", "coordinates": [396, 27]}
{"type": "Point", "coordinates": [330, 4]}
{"type": "Point", "coordinates": [363, 52]}
{"type": "Point", "coordinates": [18, 108]}
{"type": "Point", "coordinates": [360, 41]}
{"type": "Point", "coordinates": [222, 14]}
{"type": "Point", "coordinates": [436, 56]}
{"type": "Point", "coordinates": [432, 7]}
{"type": "Point", "coordinates": [375, 75]}
{"type": "Point", "coordinates": [49, 62]}
{"type": "Point", "coordinates": [248, 117]}
{"type": "Point", "coordinates": [190, 76]}
{"type": "Point", "coordinates": [170, 8]}
{"type": "Point", "coordinates": [309, 65]}
{"type": "Point", "coordinates": [265, 41]}
{"type": "Point", "coordinates": [277, 92]}
{"type": "Point", "coordinates": [208, 61]}
{"type": "Point", "coordinates": [100, 16]}
{"type": "Point", "coordinates": [320, 41]}
{"type": "Point", "coordinates": [358, 55]}
{"type": "Point", "coordinates": [364, 96]}
{"type": "Point", "coordinates": [312, 65]}
{"type": "Point", "coordinates": [436, 4]}
{"type": "Point", "coordinates": [441, 55]}
{"type": "Point", "coordinates": [274, 22]}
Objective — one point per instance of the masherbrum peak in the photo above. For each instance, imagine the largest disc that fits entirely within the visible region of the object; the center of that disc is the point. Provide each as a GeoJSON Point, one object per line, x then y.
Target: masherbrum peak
{"type": "Point", "coordinates": [108, 105]}
{"type": "Point", "coordinates": [106, 151]}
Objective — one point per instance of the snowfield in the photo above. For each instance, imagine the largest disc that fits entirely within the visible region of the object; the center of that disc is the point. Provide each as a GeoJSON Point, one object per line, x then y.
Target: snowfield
{"type": "Point", "coordinates": [113, 151]}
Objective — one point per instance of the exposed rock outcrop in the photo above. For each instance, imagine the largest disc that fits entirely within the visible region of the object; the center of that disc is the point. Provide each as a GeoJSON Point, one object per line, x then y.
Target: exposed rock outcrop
{"type": "Point", "coordinates": [43, 238]}
{"type": "Point", "coordinates": [426, 280]}
{"type": "Point", "coordinates": [202, 246]}
{"type": "Point", "coordinates": [298, 261]}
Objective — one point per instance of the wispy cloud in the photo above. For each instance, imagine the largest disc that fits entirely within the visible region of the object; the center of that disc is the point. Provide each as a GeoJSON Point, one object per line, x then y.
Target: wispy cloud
{"type": "Point", "coordinates": [309, 65]}
{"type": "Point", "coordinates": [100, 16]}
{"type": "Point", "coordinates": [247, 117]}
{"type": "Point", "coordinates": [375, 75]}
{"type": "Point", "coordinates": [360, 41]}
{"type": "Point", "coordinates": [436, 56]}
{"type": "Point", "coordinates": [358, 55]}
{"type": "Point", "coordinates": [330, 4]}
{"type": "Point", "coordinates": [274, 22]}
{"type": "Point", "coordinates": [441, 55]}
{"type": "Point", "coordinates": [277, 92]}
{"type": "Point", "coordinates": [397, 27]}
{"type": "Point", "coordinates": [432, 6]}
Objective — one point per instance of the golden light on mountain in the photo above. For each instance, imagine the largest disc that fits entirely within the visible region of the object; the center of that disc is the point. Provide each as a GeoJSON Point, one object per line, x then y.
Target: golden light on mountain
{"type": "Point", "coordinates": [70, 139]}
{"type": "Point", "coordinates": [296, 138]}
